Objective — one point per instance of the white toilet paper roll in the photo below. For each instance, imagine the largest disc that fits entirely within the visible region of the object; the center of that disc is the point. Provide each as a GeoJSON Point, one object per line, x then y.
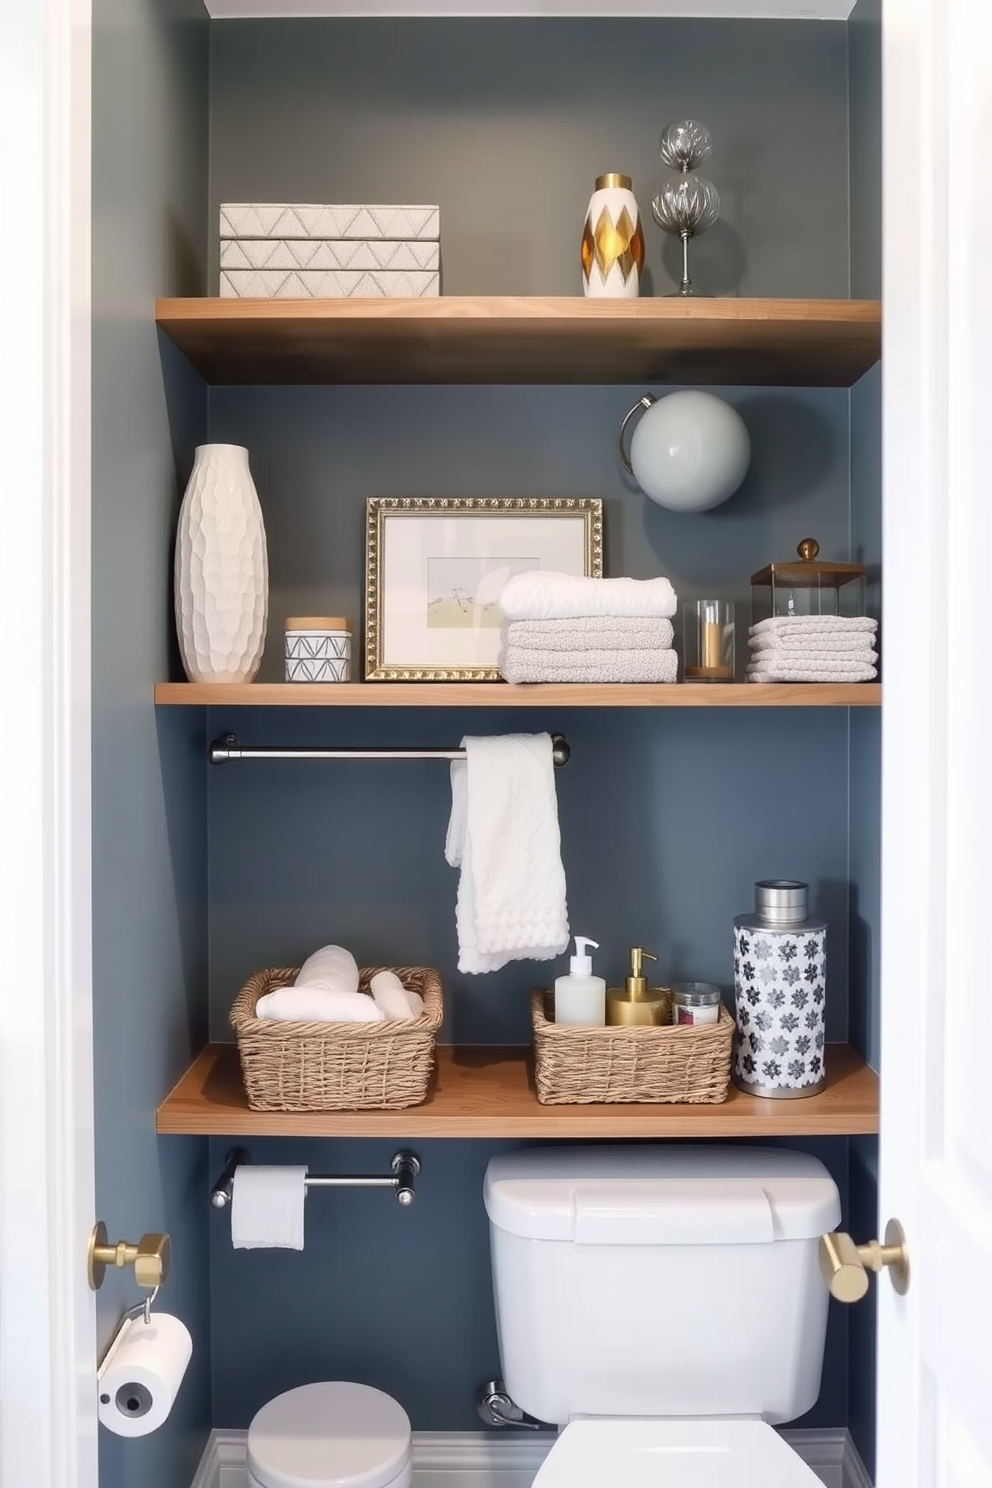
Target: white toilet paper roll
{"type": "Point", "coordinates": [138, 1382]}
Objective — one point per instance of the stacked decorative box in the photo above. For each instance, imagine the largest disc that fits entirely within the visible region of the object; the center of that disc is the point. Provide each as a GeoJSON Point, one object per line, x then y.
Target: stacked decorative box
{"type": "Point", "coordinates": [286, 251]}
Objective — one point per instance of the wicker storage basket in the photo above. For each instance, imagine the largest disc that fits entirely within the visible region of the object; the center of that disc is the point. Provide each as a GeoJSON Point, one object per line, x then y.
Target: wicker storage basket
{"type": "Point", "coordinates": [337, 1066]}
{"type": "Point", "coordinates": [582, 1066]}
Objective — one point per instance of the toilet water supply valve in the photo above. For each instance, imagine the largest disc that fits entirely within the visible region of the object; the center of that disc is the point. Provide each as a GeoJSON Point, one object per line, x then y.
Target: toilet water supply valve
{"type": "Point", "coordinates": [497, 1409]}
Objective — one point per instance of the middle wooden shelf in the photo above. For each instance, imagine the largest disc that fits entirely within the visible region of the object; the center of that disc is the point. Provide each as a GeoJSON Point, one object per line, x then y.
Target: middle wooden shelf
{"type": "Point", "coordinates": [489, 1092]}
{"type": "Point", "coordinates": [503, 695]}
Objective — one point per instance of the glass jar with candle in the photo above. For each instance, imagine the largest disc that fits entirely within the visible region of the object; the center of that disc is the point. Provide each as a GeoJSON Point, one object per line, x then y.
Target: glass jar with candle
{"type": "Point", "coordinates": [708, 640]}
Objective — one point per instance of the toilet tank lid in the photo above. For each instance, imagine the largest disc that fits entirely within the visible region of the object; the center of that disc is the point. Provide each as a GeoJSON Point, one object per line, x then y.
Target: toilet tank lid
{"type": "Point", "coordinates": [676, 1194]}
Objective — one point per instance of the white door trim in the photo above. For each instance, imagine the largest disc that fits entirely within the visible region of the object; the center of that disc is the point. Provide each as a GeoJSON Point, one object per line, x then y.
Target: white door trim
{"type": "Point", "coordinates": [474, 1459]}
{"type": "Point", "coordinates": [47, 1322]}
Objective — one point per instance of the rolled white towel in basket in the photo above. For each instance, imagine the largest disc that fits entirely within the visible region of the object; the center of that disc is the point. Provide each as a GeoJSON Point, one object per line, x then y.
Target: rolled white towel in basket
{"type": "Point", "coordinates": [314, 1004]}
{"type": "Point", "coordinates": [332, 967]}
{"type": "Point", "coordinates": [542, 594]}
{"type": "Point", "coordinates": [395, 1000]}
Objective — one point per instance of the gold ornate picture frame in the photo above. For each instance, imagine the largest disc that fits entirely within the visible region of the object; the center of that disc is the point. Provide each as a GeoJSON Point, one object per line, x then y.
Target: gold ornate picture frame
{"type": "Point", "coordinates": [435, 567]}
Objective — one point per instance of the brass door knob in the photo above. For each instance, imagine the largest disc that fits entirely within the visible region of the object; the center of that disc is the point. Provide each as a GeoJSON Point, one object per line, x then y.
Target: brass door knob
{"type": "Point", "coordinates": [150, 1258]}
{"type": "Point", "coordinates": [844, 1266]}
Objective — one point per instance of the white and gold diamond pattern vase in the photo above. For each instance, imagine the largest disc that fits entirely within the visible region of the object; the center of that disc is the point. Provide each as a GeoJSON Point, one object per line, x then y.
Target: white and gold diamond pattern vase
{"type": "Point", "coordinates": [318, 648]}
{"type": "Point", "coordinates": [612, 241]}
{"type": "Point", "coordinates": [222, 569]}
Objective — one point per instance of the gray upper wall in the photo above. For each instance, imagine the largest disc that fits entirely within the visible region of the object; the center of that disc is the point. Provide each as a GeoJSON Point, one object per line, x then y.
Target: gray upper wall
{"type": "Point", "coordinates": [506, 124]}
{"type": "Point", "coordinates": [150, 76]}
{"type": "Point", "coordinates": [865, 48]}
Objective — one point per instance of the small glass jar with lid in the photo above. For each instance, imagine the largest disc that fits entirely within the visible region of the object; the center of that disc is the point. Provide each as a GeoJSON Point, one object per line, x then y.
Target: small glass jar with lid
{"type": "Point", "coordinates": [808, 587]}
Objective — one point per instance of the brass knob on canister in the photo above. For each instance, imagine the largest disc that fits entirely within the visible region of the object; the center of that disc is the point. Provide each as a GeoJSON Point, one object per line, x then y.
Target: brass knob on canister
{"type": "Point", "coordinates": [844, 1266]}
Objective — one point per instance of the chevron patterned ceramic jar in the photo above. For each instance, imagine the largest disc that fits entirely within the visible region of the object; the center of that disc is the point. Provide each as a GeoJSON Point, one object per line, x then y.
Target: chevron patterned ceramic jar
{"type": "Point", "coordinates": [318, 648]}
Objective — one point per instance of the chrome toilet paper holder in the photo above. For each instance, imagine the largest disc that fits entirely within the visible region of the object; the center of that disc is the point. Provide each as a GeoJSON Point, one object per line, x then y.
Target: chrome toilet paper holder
{"type": "Point", "coordinates": [404, 1169]}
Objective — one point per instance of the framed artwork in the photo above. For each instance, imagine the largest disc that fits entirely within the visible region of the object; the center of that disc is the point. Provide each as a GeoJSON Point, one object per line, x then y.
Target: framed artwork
{"type": "Point", "coordinates": [435, 568]}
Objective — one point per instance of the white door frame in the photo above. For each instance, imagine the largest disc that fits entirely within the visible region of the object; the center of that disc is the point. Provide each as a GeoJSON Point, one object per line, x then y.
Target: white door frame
{"type": "Point", "coordinates": [47, 1316]}
{"type": "Point", "coordinates": [937, 802]}
{"type": "Point", "coordinates": [47, 1321]}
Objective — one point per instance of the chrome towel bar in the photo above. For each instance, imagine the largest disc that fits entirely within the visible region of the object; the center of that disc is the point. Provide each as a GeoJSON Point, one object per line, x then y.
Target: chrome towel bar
{"type": "Point", "coordinates": [405, 1167]}
{"type": "Point", "coordinates": [227, 747]}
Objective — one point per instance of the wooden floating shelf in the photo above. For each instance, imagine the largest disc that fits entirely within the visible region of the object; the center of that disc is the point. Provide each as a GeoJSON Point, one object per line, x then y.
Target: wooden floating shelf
{"type": "Point", "coordinates": [489, 1092]}
{"type": "Point", "coordinates": [504, 695]}
{"type": "Point", "coordinates": [504, 339]}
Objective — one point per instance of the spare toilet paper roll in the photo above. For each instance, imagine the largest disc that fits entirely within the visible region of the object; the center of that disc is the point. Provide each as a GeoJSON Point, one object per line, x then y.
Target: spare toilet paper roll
{"type": "Point", "coordinates": [138, 1382]}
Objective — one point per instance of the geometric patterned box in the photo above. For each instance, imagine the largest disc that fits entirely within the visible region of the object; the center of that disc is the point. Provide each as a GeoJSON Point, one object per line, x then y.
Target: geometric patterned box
{"type": "Point", "coordinates": [323, 254]}
{"type": "Point", "coordinates": [283, 284]}
{"type": "Point", "coordinates": [288, 220]}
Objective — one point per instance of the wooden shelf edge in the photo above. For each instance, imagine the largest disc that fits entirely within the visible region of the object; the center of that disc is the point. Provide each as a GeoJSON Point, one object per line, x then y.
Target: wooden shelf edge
{"type": "Point", "coordinates": [575, 308]}
{"type": "Point", "coordinates": [505, 695]}
{"type": "Point", "coordinates": [488, 1092]}
{"type": "Point", "coordinates": [525, 340]}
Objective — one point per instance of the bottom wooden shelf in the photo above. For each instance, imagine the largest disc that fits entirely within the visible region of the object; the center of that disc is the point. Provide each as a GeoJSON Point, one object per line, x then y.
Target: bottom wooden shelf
{"type": "Point", "coordinates": [489, 1092]}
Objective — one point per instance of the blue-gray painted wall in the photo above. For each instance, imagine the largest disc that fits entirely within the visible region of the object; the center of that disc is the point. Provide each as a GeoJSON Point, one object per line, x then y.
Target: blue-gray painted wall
{"type": "Point", "coordinates": [149, 800]}
{"type": "Point", "coordinates": [865, 32]}
{"type": "Point", "coordinates": [398, 1299]}
{"type": "Point", "coordinates": [667, 819]}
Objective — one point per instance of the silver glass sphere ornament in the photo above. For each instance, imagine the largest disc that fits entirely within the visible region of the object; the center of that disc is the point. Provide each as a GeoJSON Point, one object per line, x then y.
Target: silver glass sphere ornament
{"type": "Point", "coordinates": [687, 203]}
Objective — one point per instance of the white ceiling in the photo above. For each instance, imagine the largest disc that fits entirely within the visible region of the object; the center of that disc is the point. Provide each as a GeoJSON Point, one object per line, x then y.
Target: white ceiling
{"type": "Point", "coordinates": [792, 10]}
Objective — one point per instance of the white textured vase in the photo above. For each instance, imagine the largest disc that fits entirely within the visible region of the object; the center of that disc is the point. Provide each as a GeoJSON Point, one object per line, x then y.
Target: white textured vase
{"type": "Point", "coordinates": [222, 569]}
{"type": "Point", "coordinates": [612, 241]}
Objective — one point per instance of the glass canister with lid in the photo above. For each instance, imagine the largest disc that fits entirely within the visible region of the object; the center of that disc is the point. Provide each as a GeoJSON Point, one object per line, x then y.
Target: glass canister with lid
{"type": "Point", "coordinates": [780, 964]}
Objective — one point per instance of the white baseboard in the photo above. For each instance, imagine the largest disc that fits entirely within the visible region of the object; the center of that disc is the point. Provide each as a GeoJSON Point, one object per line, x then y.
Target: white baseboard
{"type": "Point", "coordinates": [487, 1459]}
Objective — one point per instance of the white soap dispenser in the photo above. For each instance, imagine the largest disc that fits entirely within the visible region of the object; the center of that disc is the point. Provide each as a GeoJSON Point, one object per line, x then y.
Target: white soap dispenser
{"type": "Point", "coordinates": [580, 997]}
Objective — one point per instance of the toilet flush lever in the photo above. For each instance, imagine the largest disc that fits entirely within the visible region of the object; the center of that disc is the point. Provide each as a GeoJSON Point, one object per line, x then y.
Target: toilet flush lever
{"type": "Point", "coordinates": [844, 1266]}
{"type": "Point", "coordinates": [497, 1409]}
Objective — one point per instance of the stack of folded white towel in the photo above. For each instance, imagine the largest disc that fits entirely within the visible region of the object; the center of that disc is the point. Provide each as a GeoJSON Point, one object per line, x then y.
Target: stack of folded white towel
{"type": "Point", "coordinates": [326, 991]}
{"type": "Point", "coordinates": [559, 628]}
{"type": "Point", "coordinates": [813, 648]}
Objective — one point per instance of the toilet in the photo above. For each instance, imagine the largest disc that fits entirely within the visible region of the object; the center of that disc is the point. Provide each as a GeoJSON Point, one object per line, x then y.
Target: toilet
{"type": "Point", "coordinates": [663, 1306]}
{"type": "Point", "coordinates": [330, 1435]}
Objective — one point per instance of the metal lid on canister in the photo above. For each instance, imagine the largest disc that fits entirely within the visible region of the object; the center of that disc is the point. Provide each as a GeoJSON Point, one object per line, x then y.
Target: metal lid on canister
{"type": "Point", "coordinates": [695, 994]}
{"type": "Point", "coordinates": [781, 901]}
{"type": "Point", "coordinates": [317, 622]}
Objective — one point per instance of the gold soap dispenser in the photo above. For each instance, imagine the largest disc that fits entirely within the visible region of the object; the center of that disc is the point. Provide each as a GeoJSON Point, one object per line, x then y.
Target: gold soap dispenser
{"type": "Point", "coordinates": [635, 1004]}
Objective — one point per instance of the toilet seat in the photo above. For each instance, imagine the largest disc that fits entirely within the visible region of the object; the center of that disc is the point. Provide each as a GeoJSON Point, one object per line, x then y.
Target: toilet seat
{"type": "Point", "coordinates": [702, 1453]}
{"type": "Point", "coordinates": [330, 1435]}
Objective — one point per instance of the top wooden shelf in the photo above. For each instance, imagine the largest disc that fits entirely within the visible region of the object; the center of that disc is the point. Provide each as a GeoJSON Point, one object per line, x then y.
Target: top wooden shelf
{"type": "Point", "coordinates": [473, 339]}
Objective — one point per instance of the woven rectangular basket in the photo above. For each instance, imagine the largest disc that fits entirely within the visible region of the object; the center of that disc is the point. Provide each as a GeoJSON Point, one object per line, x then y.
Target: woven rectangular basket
{"type": "Point", "coordinates": [337, 1066]}
{"type": "Point", "coordinates": [577, 1065]}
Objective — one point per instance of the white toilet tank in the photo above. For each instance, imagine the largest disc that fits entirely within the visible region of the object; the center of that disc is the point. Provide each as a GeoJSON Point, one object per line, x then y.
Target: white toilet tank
{"type": "Point", "coordinates": [672, 1280]}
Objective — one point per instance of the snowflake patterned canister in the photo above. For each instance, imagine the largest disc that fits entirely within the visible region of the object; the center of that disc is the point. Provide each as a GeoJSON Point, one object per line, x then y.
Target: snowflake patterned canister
{"type": "Point", "coordinates": [780, 964]}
